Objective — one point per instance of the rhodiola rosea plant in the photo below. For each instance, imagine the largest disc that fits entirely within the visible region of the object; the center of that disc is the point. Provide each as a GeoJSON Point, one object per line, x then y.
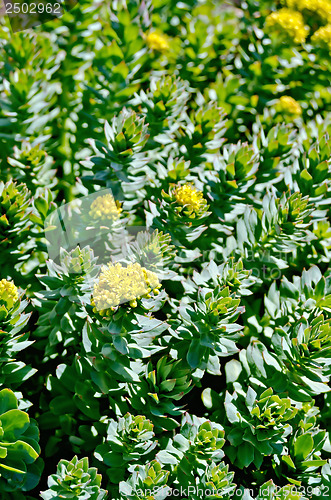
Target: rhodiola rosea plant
{"type": "Point", "coordinates": [165, 287]}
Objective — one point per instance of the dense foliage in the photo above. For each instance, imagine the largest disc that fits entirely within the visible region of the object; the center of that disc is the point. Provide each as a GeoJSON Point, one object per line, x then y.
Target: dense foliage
{"type": "Point", "coordinates": [165, 287]}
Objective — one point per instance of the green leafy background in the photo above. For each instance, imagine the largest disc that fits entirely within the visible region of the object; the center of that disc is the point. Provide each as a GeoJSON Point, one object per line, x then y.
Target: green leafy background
{"type": "Point", "coordinates": [222, 380]}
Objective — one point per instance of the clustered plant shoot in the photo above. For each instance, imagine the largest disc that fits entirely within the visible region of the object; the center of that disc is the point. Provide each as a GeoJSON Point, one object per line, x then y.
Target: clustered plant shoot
{"type": "Point", "coordinates": [165, 243]}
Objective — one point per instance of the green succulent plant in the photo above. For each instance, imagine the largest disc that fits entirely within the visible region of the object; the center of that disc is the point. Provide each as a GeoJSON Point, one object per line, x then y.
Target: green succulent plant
{"type": "Point", "coordinates": [219, 480]}
{"type": "Point", "coordinates": [164, 105]}
{"type": "Point", "coordinates": [126, 137]}
{"type": "Point", "coordinates": [128, 440]}
{"type": "Point", "coordinates": [208, 327]}
{"type": "Point", "coordinates": [307, 295]}
{"type": "Point", "coordinates": [303, 461]}
{"type": "Point", "coordinates": [32, 166]}
{"type": "Point", "coordinates": [75, 479]}
{"type": "Point", "coordinates": [194, 457]}
{"type": "Point", "coordinates": [147, 482]}
{"type": "Point", "coordinates": [260, 423]}
{"type": "Point", "coordinates": [153, 251]}
{"type": "Point", "coordinates": [211, 136]}
{"type": "Point", "coordinates": [305, 347]}
{"type": "Point", "coordinates": [203, 135]}
{"type": "Point", "coordinates": [13, 336]}
{"type": "Point", "coordinates": [234, 177]}
{"type": "Point", "coordinates": [280, 225]}
{"type": "Point", "coordinates": [160, 387]}
{"type": "Point", "coordinates": [16, 206]}
{"type": "Point", "coordinates": [312, 177]}
{"type": "Point", "coordinates": [20, 469]}
{"type": "Point", "coordinates": [62, 304]}
{"type": "Point", "coordinates": [230, 274]}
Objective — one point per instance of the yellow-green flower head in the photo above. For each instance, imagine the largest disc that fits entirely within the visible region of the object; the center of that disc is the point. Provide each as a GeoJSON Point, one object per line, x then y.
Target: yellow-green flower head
{"type": "Point", "coordinates": [105, 208]}
{"type": "Point", "coordinates": [321, 8]}
{"type": "Point", "coordinates": [289, 23]}
{"type": "Point", "coordinates": [157, 41]}
{"type": "Point", "coordinates": [8, 293]}
{"type": "Point", "coordinates": [322, 37]}
{"type": "Point", "coordinates": [190, 197]}
{"type": "Point", "coordinates": [118, 284]}
{"type": "Point", "coordinates": [288, 106]}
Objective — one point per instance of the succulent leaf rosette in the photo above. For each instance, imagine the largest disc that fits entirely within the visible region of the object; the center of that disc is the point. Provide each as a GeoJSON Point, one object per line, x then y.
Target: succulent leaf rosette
{"type": "Point", "coordinates": [127, 441]}
{"type": "Point", "coordinates": [164, 104]}
{"type": "Point", "coordinates": [15, 209]}
{"type": "Point", "coordinates": [32, 166]}
{"type": "Point", "coordinates": [126, 137]}
{"type": "Point", "coordinates": [61, 305]}
{"type": "Point", "coordinates": [208, 324]}
{"type": "Point", "coordinates": [195, 456]}
{"type": "Point", "coordinates": [302, 460]}
{"type": "Point", "coordinates": [161, 387]}
{"type": "Point", "coordinates": [19, 448]}
{"type": "Point", "coordinates": [260, 423]}
{"type": "Point", "coordinates": [75, 479]}
{"type": "Point", "coordinates": [13, 337]}
{"type": "Point", "coordinates": [218, 479]}
{"type": "Point", "coordinates": [144, 480]}
{"type": "Point", "coordinates": [304, 350]}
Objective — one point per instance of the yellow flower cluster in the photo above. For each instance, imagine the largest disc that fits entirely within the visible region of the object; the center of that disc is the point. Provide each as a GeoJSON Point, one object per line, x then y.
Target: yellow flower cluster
{"type": "Point", "coordinates": [105, 208]}
{"type": "Point", "coordinates": [118, 284]}
{"type": "Point", "coordinates": [8, 292]}
{"type": "Point", "coordinates": [288, 105]}
{"type": "Point", "coordinates": [189, 196]}
{"type": "Point", "coordinates": [157, 41]}
{"type": "Point", "coordinates": [288, 22]}
{"type": "Point", "coordinates": [321, 8]}
{"type": "Point", "coordinates": [322, 37]}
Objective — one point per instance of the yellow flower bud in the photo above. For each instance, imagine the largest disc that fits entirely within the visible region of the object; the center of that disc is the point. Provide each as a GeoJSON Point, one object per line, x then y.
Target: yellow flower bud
{"type": "Point", "coordinates": [105, 208]}
{"type": "Point", "coordinates": [322, 37]}
{"type": "Point", "coordinates": [189, 196]}
{"type": "Point", "coordinates": [8, 292]}
{"type": "Point", "coordinates": [118, 284]}
{"type": "Point", "coordinates": [289, 23]}
{"type": "Point", "coordinates": [288, 106]}
{"type": "Point", "coordinates": [157, 41]}
{"type": "Point", "coordinates": [320, 8]}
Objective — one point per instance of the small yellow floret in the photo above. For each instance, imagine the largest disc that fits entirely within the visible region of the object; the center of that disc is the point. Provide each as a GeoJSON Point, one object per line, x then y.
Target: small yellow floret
{"type": "Point", "coordinates": [288, 22]}
{"type": "Point", "coordinates": [288, 105]}
{"type": "Point", "coordinates": [322, 37]}
{"type": "Point", "coordinates": [105, 208]}
{"type": "Point", "coordinates": [157, 41]}
{"type": "Point", "coordinates": [118, 284]}
{"type": "Point", "coordinates": [189, 196]}
{"type": "Point", "coordinates": [321, 8]}
{"type": "Point", "coordinates": [8, 292]}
